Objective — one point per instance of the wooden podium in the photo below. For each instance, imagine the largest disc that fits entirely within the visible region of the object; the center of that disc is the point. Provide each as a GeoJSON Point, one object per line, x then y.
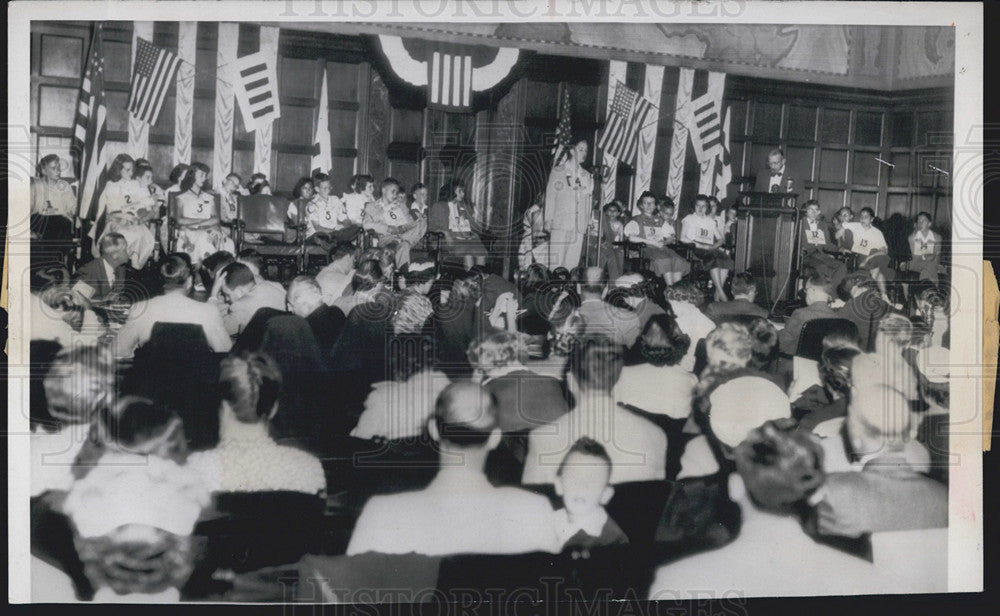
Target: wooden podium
{"type": "Point", "coordinates": [766, 237]}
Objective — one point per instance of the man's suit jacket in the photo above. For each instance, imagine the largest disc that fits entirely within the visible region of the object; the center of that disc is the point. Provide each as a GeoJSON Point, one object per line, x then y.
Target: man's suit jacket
{"type": "Point", "coordinates": [763, 181]}
{"type": "Point", "coordinates": [94, 275]}
{"type": "Point", "coordinates": [326, 323]}
{"type": "Point", "coordinates": [788, 337]}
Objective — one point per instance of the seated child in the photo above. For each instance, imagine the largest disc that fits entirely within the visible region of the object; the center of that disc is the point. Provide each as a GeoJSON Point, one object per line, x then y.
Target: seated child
{"type": "Point", "coordinates": [654, 230]}
{"type": "Point", "coordinates": [393, 222]}
{"type": "Point", "coordinates": [582, 482]}
{"type": "Point", "coordinates": [601, 249]}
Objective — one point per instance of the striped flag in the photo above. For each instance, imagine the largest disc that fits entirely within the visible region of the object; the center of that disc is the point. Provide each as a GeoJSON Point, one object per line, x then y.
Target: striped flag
{"type": "Point", "coordinates": [563, 131]}
{"type": "Point", "coordinates": [256, 84]}
{"type": "Point", "coordinates": [322, 158]}
{"type": "Point", "coordinates": [89, 129]}
{"type": "Point", "coordinates": [154, 70]}
{"type": "Point", "coordinates": [629, 113]}
{"type": "Point", "coordinates": [706, 126]}
{"type": "Point", "coordinates": [449, 81]}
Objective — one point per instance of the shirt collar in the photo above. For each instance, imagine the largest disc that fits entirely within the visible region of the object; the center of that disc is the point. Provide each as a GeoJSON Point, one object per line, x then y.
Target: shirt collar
{"type": "Point", "coordinates": [109, 270]}
{"type": "Point", "coordinates": [592, 524]}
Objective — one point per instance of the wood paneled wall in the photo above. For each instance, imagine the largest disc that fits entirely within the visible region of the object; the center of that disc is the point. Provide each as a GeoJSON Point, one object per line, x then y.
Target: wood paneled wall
{"type": "Point", "coordinates": [831, 135]}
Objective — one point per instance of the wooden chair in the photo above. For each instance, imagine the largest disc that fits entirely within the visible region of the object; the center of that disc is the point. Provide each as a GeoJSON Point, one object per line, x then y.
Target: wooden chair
{"type": "Point", "coordinates": [264, 226]}
{"type": "Point", "coordinates": [172, 216]}
{"type": "Point", "coordinates": [634, 252]}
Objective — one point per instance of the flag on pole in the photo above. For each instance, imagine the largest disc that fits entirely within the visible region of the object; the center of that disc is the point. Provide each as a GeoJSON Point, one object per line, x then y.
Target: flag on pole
{"type": "Point", "coordinates": [449, 81]}
{"type": "Point", "coordinates": [322, 158]}
{"type": "Point", "coordinates": [89, 136]}
{"type": "Point", "coordinates": [563, 131]}
{"type": "Point", "coordinates": [155, 68]}
{"type": "Point", "coordinates": [629, 113]}
{"type": "Point", "coordinates": [256, 84]}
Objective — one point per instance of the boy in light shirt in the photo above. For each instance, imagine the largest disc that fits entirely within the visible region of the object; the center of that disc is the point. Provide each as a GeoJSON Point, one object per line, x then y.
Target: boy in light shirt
{"type": "Point", "coordinates": [869, 244]}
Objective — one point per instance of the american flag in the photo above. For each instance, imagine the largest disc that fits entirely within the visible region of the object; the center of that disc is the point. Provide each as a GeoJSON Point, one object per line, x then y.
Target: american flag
{"type": "Point", "coordinates": [257, 90]}
{"type": "Point", "coordinates": [563, 133]}
{"type": "Point", "coordinates": [89, 135]}
{"type": "Point", "coordinates": [154, 69]}
{"type": "Point", "coordinates": [449, 81]}
{"type": "Point", "coordinates": [628, 115]}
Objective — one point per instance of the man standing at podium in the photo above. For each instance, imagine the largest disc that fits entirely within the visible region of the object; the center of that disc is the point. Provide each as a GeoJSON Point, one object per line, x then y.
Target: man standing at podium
{"type": "Point", "coordinates": [776, 179]}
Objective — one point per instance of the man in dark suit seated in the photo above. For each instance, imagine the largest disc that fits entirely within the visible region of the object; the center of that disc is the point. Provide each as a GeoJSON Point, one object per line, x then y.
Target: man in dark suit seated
{"type": "Point", "coordinates": [104, 277]}
{"type": "Point", "coordinates": [865, 306]}
{"type": "Point", "coordinates": [744, 292]}
{"type": "Point", "coordinates": [305, 299]}
{"type": "Point", "coordinates": [776, 179]}
{"type": "Point", "coordinates": [817, 307]}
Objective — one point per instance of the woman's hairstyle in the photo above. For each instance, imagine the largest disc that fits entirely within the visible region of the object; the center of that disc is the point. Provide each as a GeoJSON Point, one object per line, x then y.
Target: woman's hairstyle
{"type": "Point", "coordinates": [391, 182]}
{"type": "Point", "coordinates": [465, 414]}
{"type": "Point", "coordinates": [835, 368]}
{"type": "Point", "coordinates": [78, 381]}
{"type": "Point", "coordinates": [896, 328]}
{"type": "Point", "coordinates": [610, 204]}
{"type": "Point", "coordinates": [646, 194]}
{"type": "Point", "coordinates": [596, 363]}
{"type": "Point", "coordinates": [498, 350]}
{"type": "Point", "coordinates": [359, 182]}
{"type": "Point", "coordinates": [115, 169]}
{"type": "Point", "coordinates": [250, 383]}
{"type": "Point", "coordinates": [808, 204]}
{"type": "Point", "coordinates": [367, 276]}
{"type": "Point", "coordinates": [297, 191]}
{"type": "Point", "coordinates": [412, 313]}
{"type": "Point", "coordinates": [188, 182]}
{"type": "Point", "coordinates": [468, 287]}
{"type": "Point", "coordinates": [845, 209]}
{"type": "Point", "coordinates": [176, 271]}
{"type": "Point", "coordinates": [45, 162]}
{"type": "Point", "coordinates": [780, 466]}
{"type": "Point", "coordinates": [867, 210]}
{"type": "Point", "coordinates": [662, 343]}
{"type": "Point", "coordinates": [142, 168]}
{"type": "Point", "coordinates": [729, 346]}
{"type": "Point", "coordinates": [319, 176]}
{"type": "Point", "coordinates": [764, 337]}
{"type": "Point", "coordinates": [141, 426]}
{"type": "Point", "coordinates": [532, 278]}
{"type": "Point", "coordinates": [415, 188]}
{"type": "Point", "coordinates": [685, 292]}
{"type": "Point", "coordinates": [177, 173]}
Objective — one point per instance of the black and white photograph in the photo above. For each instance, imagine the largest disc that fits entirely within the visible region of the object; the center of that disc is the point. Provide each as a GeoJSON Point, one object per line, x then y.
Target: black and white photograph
{"type": "Point", "coordinates": [536, 302]}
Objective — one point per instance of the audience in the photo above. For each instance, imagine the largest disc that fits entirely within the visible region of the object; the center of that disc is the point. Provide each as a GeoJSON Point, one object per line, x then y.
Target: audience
{"type": "Point", "coordinates": [173, 306]}
{"type": "Point", "coordinates": [459, 512]}
{"type": "Point", "coordinates": [305, 299]}
{"type": "Point", "coordinates": [239, 296]}
{"type": "Point", "coordinates": [525, 399]}
{"type": "Point", "coordinates": [637, 447]}
{"type": "Point", "coordinates": [386, 345]}
{"type": "Point", "coordinates": [661, 346]}
{"type": "Point", "coordinates": [744, 292]}
{"type": "Point", "coordinates": [246, 458]}
{"type": "Point", "coordinates": [817, 307]}
{"type": "Point", "coordinates": [582, 483]}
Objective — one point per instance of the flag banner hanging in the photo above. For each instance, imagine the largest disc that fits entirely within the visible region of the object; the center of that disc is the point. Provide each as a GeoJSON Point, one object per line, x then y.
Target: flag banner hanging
{"type": "Point", "coordinates": [616, 73]}
{"type": "Point", "coordinates": [152, 74]}
{"type": "Point", "coordinates": [138, 130]}
{"type": "Point", "coordinates": [256, 83]}
{"type": "Point", "coordinates": [225, 112]}
{"type": "Point", "coordinates": [564, 130]}
{"type": "Point", "coordinates": [89, 134]}
{"type": "Point", "coordinates": [652, 90]}
{"type": "Point", "coordinates": [629, 113]}
{"type": "Point", "coordinates": [322, 159]}
{"type": "Point", "coordinates": [263, 138]}
{"type": "Point", "coordinates": [451, 73]}
{"type": "Point", "coordinates": [678, 144]}
{"type": "Point", "coordinates": [707, 124]}
{"type": "Point", "coordinates": [187, 42]}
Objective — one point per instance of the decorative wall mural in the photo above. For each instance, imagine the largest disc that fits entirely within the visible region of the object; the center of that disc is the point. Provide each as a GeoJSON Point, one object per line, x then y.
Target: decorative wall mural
{"type": "Point", "coordinates": [926, 51]}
